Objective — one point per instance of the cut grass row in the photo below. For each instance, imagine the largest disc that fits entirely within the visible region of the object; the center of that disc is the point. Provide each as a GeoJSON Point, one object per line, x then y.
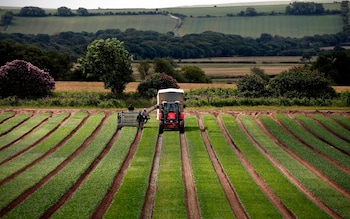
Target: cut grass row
{"type": "Point", "coordinates": [286, 191]}
{"type": "Point", "coordinates": [10, 124]}
{"type": "Point", "coordinates": [128, 200]}
{"type": "Point", "coordinates": [211, 198]}
{"type": "Point", "coordinates": [345, 121]}
{"type": "Point", "coordinates": [25, 159]}
{"type": "Point", "coordinates": [32, 176]}
{"type": "Point", "coordinates": [257, 205]}
{"type": "Point", "coordinates": [316, 185]}
{"type": "Point", "coordinates": [170, 197]}
{"type": "Point", "coordinates": [5, 115]}
{"type": "Point", "coordinates": [34, 137]}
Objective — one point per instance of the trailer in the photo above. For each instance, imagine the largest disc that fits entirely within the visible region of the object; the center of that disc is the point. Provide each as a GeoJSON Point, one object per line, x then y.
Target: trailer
{"type": "Point", "coordinates": [170, 109]}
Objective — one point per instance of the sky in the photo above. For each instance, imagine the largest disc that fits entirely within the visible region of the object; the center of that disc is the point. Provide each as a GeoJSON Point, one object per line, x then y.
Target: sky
{"type": "Point", "coordinates": [94, 4]}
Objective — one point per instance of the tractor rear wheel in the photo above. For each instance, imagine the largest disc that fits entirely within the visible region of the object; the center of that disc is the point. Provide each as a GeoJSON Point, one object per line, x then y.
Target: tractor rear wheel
{"type": "Point", "coordinates": [182, 127]}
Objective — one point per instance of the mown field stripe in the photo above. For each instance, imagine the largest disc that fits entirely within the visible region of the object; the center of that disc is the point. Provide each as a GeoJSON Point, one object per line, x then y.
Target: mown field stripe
{"type": "Point", "coordinates": [18, 165]}
{"type": "Point", "coordinates": [322, 133]}
{"type": "Point", "coordinates": [313, 143]}
{"type": "Point", "coordinates": [131, 186]}
{"type": "Point", "coordinates": [331, 195]}
{"type": "Point", "coordinates": [32, 139]}
{"type": "Point", "coordinates": [14, 192]}
{"type": "Point", "coordinates": [170, 197]}
{"type": "Point", "coordinates": [287, 191]}
{"type": "Point", "coordinates": [242, 181]}
{"type": "Point", "coordinates": [9, 124]}
{"type": "Point", "coordinates": [332, 126]}
{"type": "Point", "coordinates": [211, 197]}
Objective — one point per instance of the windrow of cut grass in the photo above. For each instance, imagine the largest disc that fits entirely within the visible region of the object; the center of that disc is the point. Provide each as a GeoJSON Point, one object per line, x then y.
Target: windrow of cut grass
{"type": "Point", "coordinates": [211, 198]}
{"type": "Point", "coordinates": [287, 192]}
{"type": "Point", "coordinates": [323, 133]}
{"type": "Point", "coordinates": [23, 129]}
{"type": "Point", "coordinates": [44, 148]}
{"type": "Point", "coordinates": [38, 172]}
{"type": "Point", "coordinates": [30, 140]}
{"type": "Point", "coordinates": [170, 197]}
{"type": "Point", "coordinates": [316, 185]}
{"type": "Point", "coordinates": [333, 126]}
{"type": "Point", "coordinates": [128, 200]}
{"type": "Point", "coordinates": [313, 141]}
{"type": "Point", "coordinates": [257, 205]}
{"type": "Point", "coordinates": [50, 193]}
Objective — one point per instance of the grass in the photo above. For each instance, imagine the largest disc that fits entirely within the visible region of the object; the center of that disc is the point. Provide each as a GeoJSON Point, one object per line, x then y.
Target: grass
{"type": "Point", "coordinates": [310, 139]}
{"type": "Point", "coordinates": [332, 125]}
{"type": "Point", "coordinates": [11, 123]}
{"type": "Point", "coordinates": [128, 200]}
{"type": "Point", "coordinates": [342, 119]}
{"type": "Point", "coordinates": [32, 138]}
{"type": "Point", "coordinates": [286, 191]}
{"type": "Point", "coordinates": [211, 198]}
{"type": "Point", "coordinates": [18, 185]}
{"type": "Point", "coordinates": [52, 24]}
{"type": "Point", "coordinates": [257, 205]}
{"type": "Point", "coordinates": [281, 25]}
{"type": "Point", "coordinates": [323, 133]}
{"type": "Point", "coordinates": [50, 142]}
{"type": "Point", "coordinates": [170, 197]}
{"type": "Point", "coordinates": [4, 116]}
{"type": "Point", "coordinates": [319, 187]}
{"type": "Point", "coordinates": [23, 128]}
{"type": "Point", "coordinates": [98, 182]}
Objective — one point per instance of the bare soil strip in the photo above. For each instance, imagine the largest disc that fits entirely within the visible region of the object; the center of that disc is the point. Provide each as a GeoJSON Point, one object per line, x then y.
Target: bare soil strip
{"type": "Point", "coordinates": [65, 197]}
{"type": "Point", "coordinates": [13, 115]}
{"type": "Point", "coordinates": [193, 211]}
{"type": "Point", "coordinates": [53, 149]}
{"type": "Point", "coordinates": [35, 143]}
{"type": "Point", "coordinates": [313, 169]}
{"type": "Point", "coordinates": [148, 205]}
{"type": "Point", "coordinates": [324, 156]}
{"type": "Point", "coordinates": [43, 181]}
{"type": "Point", "coordinates": [289, 176]}
{"type": "Point", "coordinates": [4, 133]}
{"type": "Point", "coordinates": [118, 179]}
{"type": "Point", "coordinates": [230, 193]}
{"type": "Point", "coordinates": [265, 188]}
{"type": "Point", "coordinates": [338, 122]}
{"type": "Point", "coordinates": [319, 137]}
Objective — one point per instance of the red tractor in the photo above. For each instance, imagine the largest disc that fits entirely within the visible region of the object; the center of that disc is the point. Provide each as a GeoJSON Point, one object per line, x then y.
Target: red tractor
{"type": "Point", "coordinates": [170, 113]}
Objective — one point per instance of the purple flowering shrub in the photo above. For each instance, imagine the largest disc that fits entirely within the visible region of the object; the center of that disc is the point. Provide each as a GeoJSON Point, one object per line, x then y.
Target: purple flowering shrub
{"type": "Point", "coordinates": [22, 79]}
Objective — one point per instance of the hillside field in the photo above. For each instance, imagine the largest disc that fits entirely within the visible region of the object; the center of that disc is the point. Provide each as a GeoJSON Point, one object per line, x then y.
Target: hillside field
{"type": "Point", "coordinates": [229, 163]}
{"type": "Point", "coordinates": [198, 20]}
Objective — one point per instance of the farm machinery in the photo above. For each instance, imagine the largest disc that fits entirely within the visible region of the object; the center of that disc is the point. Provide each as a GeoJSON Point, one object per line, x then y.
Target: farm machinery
{"type": "Point", "coordinates": [170, 112]}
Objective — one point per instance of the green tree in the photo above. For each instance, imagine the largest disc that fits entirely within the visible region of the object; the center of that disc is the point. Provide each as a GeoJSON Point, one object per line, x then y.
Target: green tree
{"type": "Point", "coordinates": [64, 11]}
{"type": "Point", "coordinates": [251, 86]}
{"type": "Point", "coordinates": [83, 12]}
{"type": "Point", "coordinates": [167, 66]}
{"type": "Point", "coordinates": [110, 62]}
{"type": "Point", "coordinates": [31, 11]}
{"type": "Point", "coordinates": [144, 68]}
{"type": "Point", "coordinates": [149, 87]}
{"type": "Point", "coordinates": [260, 72]}
{"type": "Point", "coordinates": [300, 82]}
{"type": "Point", "coordinates": [194, 74]}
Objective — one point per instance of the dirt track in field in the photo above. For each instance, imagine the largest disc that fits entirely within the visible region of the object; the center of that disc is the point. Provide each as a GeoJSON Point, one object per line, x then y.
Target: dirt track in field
{"type": "Point", "coordinates": [193, 207]}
